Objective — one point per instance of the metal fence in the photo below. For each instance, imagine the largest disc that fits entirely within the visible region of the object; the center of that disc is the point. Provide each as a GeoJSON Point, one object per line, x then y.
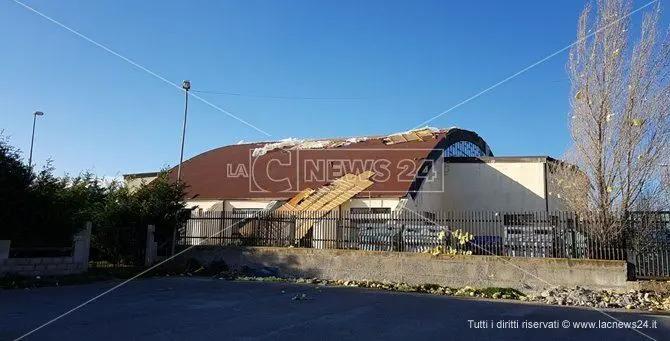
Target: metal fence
{"type": "Point", "coordinates": [115, 247]}
{"type": "Point", "coordinates": [649, 244]}
{"type": "Point", "coordinates": [512, 234]}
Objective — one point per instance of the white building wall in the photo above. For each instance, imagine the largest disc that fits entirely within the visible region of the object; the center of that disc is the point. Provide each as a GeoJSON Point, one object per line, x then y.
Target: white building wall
{"type": "Point", "coordinates": [390, 203]}
{"type": "Point", "coordinates": [242, 204]}
{"type": "Point", "coordinates": [502, 186]}
{"type": "Point", "coordinates": [133, 183]}
{"type": "Point", "coordinates": [205, 205]}
{"type": "Point", "coordinates": [206, 227]}
{"type": "Point", "coordinates": [431, 196]}
{"type": "Point", "coordinates": [230, 205]}
{"type": "Point", "coordinates": [216, 205]}
{"type": "Point", "coordinates": [325, 233]}
{"type": "Point", "coordinates": [482, 186]}
{"type": "Point", "coordinates": [494, 186]}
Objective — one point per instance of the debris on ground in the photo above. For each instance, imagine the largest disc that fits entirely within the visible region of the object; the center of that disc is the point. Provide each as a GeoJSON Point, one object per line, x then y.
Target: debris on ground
{"type": "Point", "coordinates": [300, 297]}
{"type": "Point", "coordinates": [580, 296]}
{"type": "Point", "coordinates": [575, 296]}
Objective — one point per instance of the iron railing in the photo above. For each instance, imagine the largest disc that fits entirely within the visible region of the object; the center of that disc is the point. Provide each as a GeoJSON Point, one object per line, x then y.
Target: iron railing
{"type": "Point", "coordinates": [649, 244]}
{"type": "Point", "coordinates": [117, 247]}
{"type": "Point", "coordinates": [641, 238]}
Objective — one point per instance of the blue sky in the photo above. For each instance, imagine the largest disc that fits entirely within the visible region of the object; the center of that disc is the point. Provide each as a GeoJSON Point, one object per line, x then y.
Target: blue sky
{"type": "Point", "coordinates": [406, 60]}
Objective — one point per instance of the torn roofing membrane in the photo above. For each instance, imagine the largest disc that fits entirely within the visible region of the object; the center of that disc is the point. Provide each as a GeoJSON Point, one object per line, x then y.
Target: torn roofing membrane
{"type": "Point", "coordinates": [301, 144]}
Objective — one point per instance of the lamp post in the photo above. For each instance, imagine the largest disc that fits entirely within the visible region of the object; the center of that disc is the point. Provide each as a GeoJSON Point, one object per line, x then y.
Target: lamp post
{"type": "Point", "coordinates": [186, 85]}
{"type": "Point", "coordinates": [32, 139]}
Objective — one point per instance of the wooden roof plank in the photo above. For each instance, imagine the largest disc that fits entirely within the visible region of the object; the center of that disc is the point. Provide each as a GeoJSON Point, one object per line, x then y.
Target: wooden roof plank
{"type": "Point", "coordinates": [424, 133]}
{"type": "Point", "coordinates": [300, 196]}
{"type": "Point", "coordinates": [337, 196]}
{"type": "Point", "coordinates": [290, 205]}
{"type": "Point", "coordinates": [321, 201]}
{"type": "Point", "coordinates": [411, 137]}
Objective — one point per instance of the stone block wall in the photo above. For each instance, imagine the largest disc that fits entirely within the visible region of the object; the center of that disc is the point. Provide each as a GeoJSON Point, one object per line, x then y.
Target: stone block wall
{"type": "Point", "coordinates": [526, 274]}
{"type": "Point", "coordinates": [47, 266]}
{"type": "Point", "coordinates": [76, 263]}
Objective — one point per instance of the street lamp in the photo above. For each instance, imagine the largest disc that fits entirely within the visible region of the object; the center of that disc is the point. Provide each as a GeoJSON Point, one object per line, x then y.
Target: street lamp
{"type": "Point", "coordinates": [186, 85]}
{"type": "Point", "coordinates": [32, 139]}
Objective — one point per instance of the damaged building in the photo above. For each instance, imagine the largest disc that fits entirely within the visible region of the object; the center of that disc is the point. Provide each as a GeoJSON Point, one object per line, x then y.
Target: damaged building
{"type": "Point", "coordinates": [423, 170]}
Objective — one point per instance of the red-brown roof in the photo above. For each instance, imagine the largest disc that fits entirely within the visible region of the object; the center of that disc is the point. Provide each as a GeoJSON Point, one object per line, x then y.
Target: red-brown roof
{"type": "Point", "coordinates": [232, 172]}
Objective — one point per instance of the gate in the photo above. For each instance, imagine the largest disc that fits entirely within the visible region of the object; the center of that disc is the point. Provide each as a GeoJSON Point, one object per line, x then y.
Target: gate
{"type": "Point", "coordinates": [649, 250]}
{"type": "Point", "coordinates": [118, 247]}
{"type": "Point", "coordinates": [654, 263]}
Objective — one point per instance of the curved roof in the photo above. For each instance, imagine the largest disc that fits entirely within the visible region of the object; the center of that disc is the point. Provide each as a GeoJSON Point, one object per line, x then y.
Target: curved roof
{"type": "Point", "coordinates": [261, 171]}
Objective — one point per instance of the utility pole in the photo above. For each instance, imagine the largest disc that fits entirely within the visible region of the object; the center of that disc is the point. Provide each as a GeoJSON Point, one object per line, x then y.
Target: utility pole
{"type": "Point", "coordinates": [32, 139]}
{"type": "Point", "coordinates": [186, 85]}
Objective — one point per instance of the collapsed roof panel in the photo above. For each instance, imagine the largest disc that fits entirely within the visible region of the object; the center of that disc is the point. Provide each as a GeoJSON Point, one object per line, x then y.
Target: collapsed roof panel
{"type": "Point", "coordinates": [416, 135]}
{"type": "Point", "coordinates": [337, 196]}
{"type": "Point", "coordinates": [319, 202]}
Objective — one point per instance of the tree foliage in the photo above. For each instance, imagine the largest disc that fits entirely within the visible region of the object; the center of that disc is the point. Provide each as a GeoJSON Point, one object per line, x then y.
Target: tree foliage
{"type": "Point", "coordinates": [121, 222]}
{"type": "Point", "coordinates": [15, 181]}
{"type": "Point", "coordinates": [619, 119]}
{"type": "Point", "coordinates": [41, 209]}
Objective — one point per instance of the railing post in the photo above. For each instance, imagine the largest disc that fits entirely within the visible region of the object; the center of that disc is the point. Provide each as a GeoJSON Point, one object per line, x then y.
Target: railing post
{"type": "Point", "coordinates": [224, 234]}
{"type": "Point", "coordinates": [629, 248]}
{"type": "Point", "coordinates": [4, 249]}
{"type": "Point", "coordinates": [150, 252]}
{"type": "Point", "coordinates": [292, 228]}
{"type": "Point", "coordinates": [82, 244]}
{"type": "Point", "coordinates": [339, 231]}
{"type": "Point", "coordinates": [574, 234]}
{"type": "Point", "coordinates": [175, 235]}
{"type": "Point", "coordinates": [631, 256]}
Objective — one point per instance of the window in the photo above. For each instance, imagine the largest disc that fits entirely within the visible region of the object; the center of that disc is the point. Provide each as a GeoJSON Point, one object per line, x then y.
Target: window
{"type": "Point", "coordinates": [463, 149]}
{"type": "Point", "coordinates": [514, 231]}
{"type": "Point", "coordinates": [237, 216]}
{"type": "Point", "coordinates": [370, 215]}
{"type": "Point", "coordinates": [518, 219]}
{"type": "Point", "coordinates": [430, 216]}
{"type": "Point", "coordinates": [246, 211]}
{"type": "Point", "coordinates": [374, 210]}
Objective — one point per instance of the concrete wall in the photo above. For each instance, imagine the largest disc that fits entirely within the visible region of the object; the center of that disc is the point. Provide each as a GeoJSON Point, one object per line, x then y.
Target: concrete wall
{"type": "Point", "coordinates": [494, 186]}
{"type": "Point", "coordinates": [526, 274]}
{"type": "Point", "coordinates": [47, 266]}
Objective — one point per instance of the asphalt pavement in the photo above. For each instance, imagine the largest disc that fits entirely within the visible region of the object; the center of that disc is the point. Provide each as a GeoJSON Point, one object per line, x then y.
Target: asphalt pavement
{"type": "Point", "coordinates": [184, 308]}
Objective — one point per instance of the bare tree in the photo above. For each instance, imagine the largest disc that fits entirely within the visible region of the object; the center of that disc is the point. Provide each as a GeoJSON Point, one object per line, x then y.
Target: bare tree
{"type": "Point", "coordinates": [619, 123]}
{"type": "Point", "coordinates": [665, 183]}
